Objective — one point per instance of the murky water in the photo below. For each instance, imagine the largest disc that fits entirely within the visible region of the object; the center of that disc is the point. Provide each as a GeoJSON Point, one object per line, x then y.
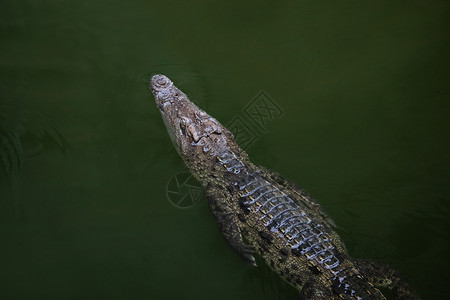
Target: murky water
{"type": "Point", "coordinates": [359, 96]}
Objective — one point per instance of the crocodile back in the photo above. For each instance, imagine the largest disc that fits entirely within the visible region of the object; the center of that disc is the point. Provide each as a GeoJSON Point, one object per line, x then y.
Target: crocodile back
{"type": "Point", "coordinates": [295, 240]}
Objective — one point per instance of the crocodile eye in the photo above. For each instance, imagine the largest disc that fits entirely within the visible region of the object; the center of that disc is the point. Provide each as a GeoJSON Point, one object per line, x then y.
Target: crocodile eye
{"type": "Point", "coordinates": [183, 124]}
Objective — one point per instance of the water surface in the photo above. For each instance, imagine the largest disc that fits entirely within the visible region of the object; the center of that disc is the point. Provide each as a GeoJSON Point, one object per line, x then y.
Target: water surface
{"type": "Point", "coordinates": [86, 160]}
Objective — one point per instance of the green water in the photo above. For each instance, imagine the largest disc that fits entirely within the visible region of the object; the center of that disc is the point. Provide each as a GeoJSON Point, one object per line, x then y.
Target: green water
{"type": "Point", "coordinates": [86, 159]}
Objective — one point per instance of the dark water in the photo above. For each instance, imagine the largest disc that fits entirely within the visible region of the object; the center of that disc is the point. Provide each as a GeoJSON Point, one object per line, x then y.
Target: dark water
{"type": "Point", "coordinates": [86, 162]}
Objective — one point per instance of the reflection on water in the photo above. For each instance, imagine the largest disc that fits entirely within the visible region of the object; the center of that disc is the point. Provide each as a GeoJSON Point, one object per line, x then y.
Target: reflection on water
{"type": "Point", "coordinates": [24, 132]}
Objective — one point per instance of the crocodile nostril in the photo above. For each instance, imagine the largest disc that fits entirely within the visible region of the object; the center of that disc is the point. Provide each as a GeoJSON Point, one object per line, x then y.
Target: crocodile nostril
{"type": "Point", "coordinates": [161, 81]}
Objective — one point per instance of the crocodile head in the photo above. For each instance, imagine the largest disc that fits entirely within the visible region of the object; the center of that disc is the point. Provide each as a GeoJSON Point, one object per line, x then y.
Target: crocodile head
{"type": "Point", "coordinates": [186, 123]}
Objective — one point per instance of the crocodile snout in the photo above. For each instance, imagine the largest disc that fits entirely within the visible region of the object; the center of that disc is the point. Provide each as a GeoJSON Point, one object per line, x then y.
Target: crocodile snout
{"type": "Point", "coordinates": [159, 82]}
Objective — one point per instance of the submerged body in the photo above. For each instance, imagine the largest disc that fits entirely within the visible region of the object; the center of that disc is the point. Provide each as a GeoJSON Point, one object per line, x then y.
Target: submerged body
{"type": "Point", "coordinates": [259, 211]}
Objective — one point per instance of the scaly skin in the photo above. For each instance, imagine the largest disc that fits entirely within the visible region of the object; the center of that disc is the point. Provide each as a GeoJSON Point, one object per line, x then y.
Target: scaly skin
{"type": "Point", "coordinates": [275, 218]}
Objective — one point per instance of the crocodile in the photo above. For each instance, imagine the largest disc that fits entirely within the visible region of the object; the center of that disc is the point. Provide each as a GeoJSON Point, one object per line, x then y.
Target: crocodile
{"type": "Point", "coordinates": [260, 212]}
